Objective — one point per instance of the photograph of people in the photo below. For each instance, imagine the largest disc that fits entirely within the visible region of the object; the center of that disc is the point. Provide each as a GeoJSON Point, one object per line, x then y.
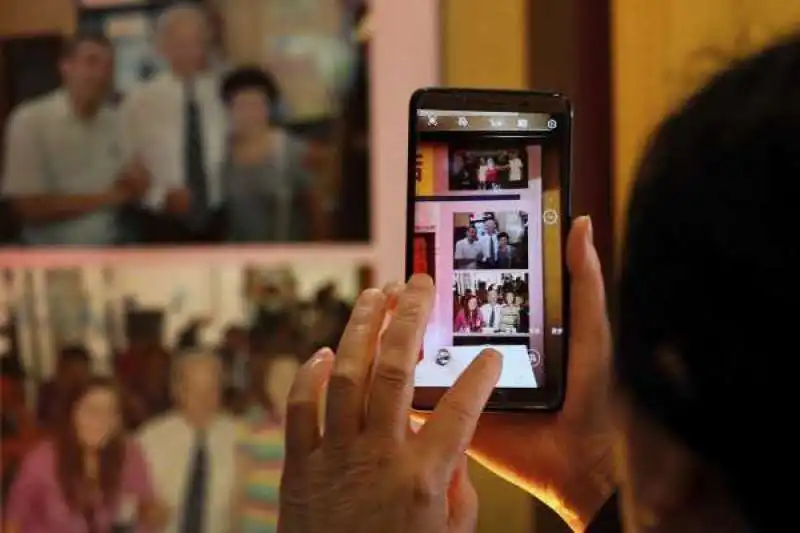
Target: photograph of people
{"type": "Point", "coordinates": [487, 169]}
{"type": "Point", "coordinates": [176, 124]}
{"type": "Point", "coordinates": [489, 303]}
{"type": "Point", "coordinates": [267, 186]}
{"type": "Point", "coordinates": [88, 476]}
{"type": "Point", "coordinates": [468, 250]}
{"type": "Point", "coordinates": [63, 174]}
{"type": "Point", "coordinates": [470, 317]}
{"type": "Point", "coordinates": [490, 240]}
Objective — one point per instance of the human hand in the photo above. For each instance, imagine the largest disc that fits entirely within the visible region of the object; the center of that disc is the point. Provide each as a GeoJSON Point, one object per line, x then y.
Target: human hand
{"type": "Point", "coordinates": [178, 201]}
{"type": "Point", "coordinates": [134, 181]}
{"type": "Point", "coordinates": [564, 459]}
{"type": "Point", "coordinates": [368, 472]}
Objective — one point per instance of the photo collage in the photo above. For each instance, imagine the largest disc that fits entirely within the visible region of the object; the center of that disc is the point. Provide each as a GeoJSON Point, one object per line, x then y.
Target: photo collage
{"type": "Point", "coordinates": [478, 233]}
{"type": "Point", "coordinates": [185, 217]}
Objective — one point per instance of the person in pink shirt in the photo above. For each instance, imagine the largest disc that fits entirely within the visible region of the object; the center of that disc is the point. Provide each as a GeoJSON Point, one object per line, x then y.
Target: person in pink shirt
{"type": "Point", "coordinates": [88, 477]}
{"type": "Point", "coordinates": [469, 318]}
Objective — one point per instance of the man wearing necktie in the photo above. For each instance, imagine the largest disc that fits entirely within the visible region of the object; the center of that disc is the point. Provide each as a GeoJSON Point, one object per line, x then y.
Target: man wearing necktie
{"type": "Point", "coordinates": [490, 243]}
{"type": "Point", "coordinates": [191, 451]}
{"type": "Point", "coordinates": [491, 312]}
{"type": "Point", "coordinates": [177, 124]}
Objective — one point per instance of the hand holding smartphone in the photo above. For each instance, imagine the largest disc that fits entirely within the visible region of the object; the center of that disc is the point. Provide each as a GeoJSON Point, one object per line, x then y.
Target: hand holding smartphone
{"type": "Point", "coordinates": [488, 217]}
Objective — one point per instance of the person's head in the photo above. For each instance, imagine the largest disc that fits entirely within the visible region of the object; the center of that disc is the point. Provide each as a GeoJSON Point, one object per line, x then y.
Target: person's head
{"type": "Point", "coordinates": [93, 411]}
{"type": "Point", "coordinates": [197, 386]}
{"type": "Point", "coordinates": [510, 298]}
{"type": "Point", "coordinates": [492, 296]}
{"type": "Point", "coordinates": [491, 226]}
{"type": "Point", "coordinates": [184, 38]}
{"type": "Point", "coordinates": [157, 362]}
{"type": "Point", "coordinates": [519, 299]}
{"type": "Point", "coordinates": [708, 279]}
{"type": "Point", "coordinates": [490, 163]}
{"type": "Point", "coordinates": [250, 95]}
{"type": "Point", "coordinates": [472, 303]}
{"type": "Point", "coordinates": [92, 426]}
{"type": "Point", "coordinates": [74, 366]}
{"type": "Point", "coordinates": [87, 70]}
{"type": "Point", "coordinates": [472, 233]}
{"type": "Point", "coordinates": [502, 238]}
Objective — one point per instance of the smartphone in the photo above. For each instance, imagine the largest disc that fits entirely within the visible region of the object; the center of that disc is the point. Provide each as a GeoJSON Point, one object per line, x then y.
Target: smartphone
{"type": "Point", "coordinates": [488, 213]}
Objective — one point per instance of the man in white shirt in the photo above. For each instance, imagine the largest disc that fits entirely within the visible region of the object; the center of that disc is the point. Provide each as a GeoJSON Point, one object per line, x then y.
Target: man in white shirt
{"type": "Point", "coordinates": [469, 251]}
{"type": "Point", "coordinates": [490, 241]}
{"type": "Point", "coordinates": [492, 312]}
{"type": "Point", "coordinates": [191, 451]}
{"type": "Point", "coordinates": [177, 124]}
{"type": "Point", "coordinates": [63, 170]}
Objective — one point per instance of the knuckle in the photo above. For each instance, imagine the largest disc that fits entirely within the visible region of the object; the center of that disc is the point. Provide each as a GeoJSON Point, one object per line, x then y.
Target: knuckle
{"type": "Point", "coordinates": [457, 409]}
{"type": "Point", "coordinates": [343, 379]}
{"type": "Point", "coordinates": [424, 488]}
{"type": "Point", "coordinates": [392, 375]}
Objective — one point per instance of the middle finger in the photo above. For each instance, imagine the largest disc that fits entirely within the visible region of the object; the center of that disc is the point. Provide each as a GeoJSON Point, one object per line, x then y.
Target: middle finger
{"type": "Point", "coordinates": [347, 388]}
{"type": "Point", "coordinates": [392, 385]}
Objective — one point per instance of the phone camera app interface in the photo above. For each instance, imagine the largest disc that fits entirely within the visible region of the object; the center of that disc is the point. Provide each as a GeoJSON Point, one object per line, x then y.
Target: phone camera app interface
{"type": "Point", "coordinates": [487, 229]}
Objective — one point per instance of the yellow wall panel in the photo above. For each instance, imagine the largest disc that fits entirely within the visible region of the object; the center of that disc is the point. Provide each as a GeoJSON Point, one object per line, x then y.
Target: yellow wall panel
{"type": "Point", "coordinates": [485, 43]}
{"type": "Point", "coordinates": [664, 50]}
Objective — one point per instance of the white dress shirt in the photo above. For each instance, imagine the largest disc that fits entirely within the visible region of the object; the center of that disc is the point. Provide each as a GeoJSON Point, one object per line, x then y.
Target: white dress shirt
{"type": "Point", "coordinates": [153, 123]}
{"type": "Point", "coordinates": [486, 311]}
{"type": "Point", "coordinates": [486, 241]}
{"type": "Point", "coordinates": [168, 443]}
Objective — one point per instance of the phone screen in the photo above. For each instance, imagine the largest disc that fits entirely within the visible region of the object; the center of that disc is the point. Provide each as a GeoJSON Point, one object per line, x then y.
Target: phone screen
{"type": "Point", "coordinates": [488, 226]}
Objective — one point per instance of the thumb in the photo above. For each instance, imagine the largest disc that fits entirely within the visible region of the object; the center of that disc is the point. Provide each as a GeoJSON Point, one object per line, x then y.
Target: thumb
{"type": "Point", "coordinates": [462, 501]}
{"type": "Point", "coordinates": [589, 322]}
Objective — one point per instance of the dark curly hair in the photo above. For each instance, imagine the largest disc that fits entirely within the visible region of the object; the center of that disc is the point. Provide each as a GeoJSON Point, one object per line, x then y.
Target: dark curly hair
{"type": "Point", "coordinates": [250, 78]}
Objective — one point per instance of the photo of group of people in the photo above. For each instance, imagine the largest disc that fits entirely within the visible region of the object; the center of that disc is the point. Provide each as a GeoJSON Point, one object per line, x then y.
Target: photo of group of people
{"type": "Point", "coordinates": [162, 123]}
{"type": "Point", "coordinates": [128, 352]}
{"type": "Point", "coordinates": [490, 240]}
{"type": "Point", "coordinates": [474, 169]}
{"type": "Point", "coordinates": [490, 303]}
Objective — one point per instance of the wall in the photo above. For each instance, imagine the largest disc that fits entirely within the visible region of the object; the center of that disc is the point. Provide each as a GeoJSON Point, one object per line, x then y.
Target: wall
{"type": "Point", "coordinates": [665, 50]}
{"type": "Point", "coordinates": [485, 46]}
{"type": "Point", "coordinates": [484, 43]}
{"type": "Point", "coordinates": [39, 16]}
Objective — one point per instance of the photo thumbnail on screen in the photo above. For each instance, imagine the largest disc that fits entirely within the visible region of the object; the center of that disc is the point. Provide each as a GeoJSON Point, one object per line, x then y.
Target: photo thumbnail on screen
{"type": "Point", "coordinates": [490, 240]}
{"type": "Point", "coordinates": [481, 169]}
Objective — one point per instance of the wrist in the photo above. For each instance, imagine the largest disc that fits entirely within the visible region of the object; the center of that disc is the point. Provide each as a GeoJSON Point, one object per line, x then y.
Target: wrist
{"type": "Point", "coordinates": [588, 492]}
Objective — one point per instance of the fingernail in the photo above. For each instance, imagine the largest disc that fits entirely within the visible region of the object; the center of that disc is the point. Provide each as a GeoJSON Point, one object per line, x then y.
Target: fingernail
{"type": "Point", "coordinates": [589, 230]}
{"type": "Point", "coordinates": [321, 355]}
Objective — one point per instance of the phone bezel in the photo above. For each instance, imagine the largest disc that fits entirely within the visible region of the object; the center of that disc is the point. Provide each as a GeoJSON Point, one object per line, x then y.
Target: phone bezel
{"type": "Point", "coordinates": [550, 397]}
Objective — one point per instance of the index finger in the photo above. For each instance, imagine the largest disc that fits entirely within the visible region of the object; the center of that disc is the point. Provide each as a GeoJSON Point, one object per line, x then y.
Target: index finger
{"type": "Point", "coordinates": [448, 431]}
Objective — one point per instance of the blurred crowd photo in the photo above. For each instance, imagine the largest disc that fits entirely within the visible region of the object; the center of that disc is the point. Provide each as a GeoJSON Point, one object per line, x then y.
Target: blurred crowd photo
{"type": "Point", "coordinates": [490, 303]}
{"type": "Point", "coordinates": [163, 123]}
{"type": "Point", "coordinates": [108, 370]}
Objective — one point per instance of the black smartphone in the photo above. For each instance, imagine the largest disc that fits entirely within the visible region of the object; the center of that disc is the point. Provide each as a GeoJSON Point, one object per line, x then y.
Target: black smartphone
{"type": "Point", "coordinates": [488, 213]}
